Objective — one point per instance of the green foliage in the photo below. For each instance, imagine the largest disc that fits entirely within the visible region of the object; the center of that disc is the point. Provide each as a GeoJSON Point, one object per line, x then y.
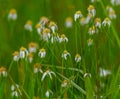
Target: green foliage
{"type": "Point", "coordinates": [78, 60]}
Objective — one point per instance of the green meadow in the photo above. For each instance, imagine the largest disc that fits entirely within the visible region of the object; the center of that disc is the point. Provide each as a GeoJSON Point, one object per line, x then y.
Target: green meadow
{"type": "Point", "coordinates": [59, 49]}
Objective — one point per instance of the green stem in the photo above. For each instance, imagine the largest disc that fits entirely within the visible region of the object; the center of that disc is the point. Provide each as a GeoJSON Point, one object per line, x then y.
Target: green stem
{"type": "Point", "coordinates": [28, 97]}
{"type": "Point", "coordinates": [76, 37]}
{"type": "Point", "coordinates": [10, 66]}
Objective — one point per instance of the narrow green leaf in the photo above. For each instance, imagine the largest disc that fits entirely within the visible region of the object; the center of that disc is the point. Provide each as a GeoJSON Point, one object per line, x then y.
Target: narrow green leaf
{"type": "Point", "coordinates": [2, 88]}
{"type": "Point", "coordinates": [74, 84]}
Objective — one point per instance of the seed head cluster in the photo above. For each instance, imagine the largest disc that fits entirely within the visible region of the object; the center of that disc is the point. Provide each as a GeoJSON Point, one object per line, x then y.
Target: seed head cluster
{"type": "Point", "coordinates": [48, 46]}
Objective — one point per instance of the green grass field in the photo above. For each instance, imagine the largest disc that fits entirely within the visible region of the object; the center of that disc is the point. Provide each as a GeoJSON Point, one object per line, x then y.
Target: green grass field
{"type": "Point", "coordinates": [59, 49]}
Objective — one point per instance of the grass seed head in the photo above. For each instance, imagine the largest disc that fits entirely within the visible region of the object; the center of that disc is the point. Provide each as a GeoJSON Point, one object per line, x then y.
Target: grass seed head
{"type": "Point", "coordinates": [90, 42]}
{"type": "Point", "coordinates": [42, 53]}
{"type": "Point", "coordinates": [44, 20]}
{"type": "Point", "coordinates": [68, 22]}
{"type": "Point", "coordinates": [3, 71]}
{"type": "Point", "coordinates": [23, 52]}
{"type": "Point", "coordinates": [97, 22]}
{"type": "Point", "coordinates": [91, 10]}
{"type": "Point", "coordinates": [16, 56]}
{"type": "Point", "coordinates": [28, 25]}
{"type": "Point", "coordinates": [63, 38]}
{"type": "Point", "coordinates": [12, 14]}
{"type": "Point", "coordinates": [77, 15]}
{"type": "Point", "coordinates": [32, 47]}
{"type": "Point", "coordinates": [106, 22]}
{"type": "Point", "coordinates": [77, 58]}
{"type": "Point", "coordinates": [53, 26]}
{"type": "Point", "coordinates": [65, 54]}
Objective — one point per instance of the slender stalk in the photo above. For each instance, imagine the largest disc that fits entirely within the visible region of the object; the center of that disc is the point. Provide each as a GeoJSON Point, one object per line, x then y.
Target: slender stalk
{"type": "Point", "coordinates": [76, 40]}
{"type": "Point", "coordinates": [10, 66]}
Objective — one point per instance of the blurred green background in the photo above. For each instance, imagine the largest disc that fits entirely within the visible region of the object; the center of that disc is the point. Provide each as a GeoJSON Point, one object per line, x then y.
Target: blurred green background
{"type": "Point", "coordinates": [12, 32]}
{"type": "Point", "coordinates": [56, 10]}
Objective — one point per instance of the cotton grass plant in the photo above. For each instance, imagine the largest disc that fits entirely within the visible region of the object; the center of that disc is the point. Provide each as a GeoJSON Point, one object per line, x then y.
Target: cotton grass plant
{"type": "Point", "coordinates": [51, 53]}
